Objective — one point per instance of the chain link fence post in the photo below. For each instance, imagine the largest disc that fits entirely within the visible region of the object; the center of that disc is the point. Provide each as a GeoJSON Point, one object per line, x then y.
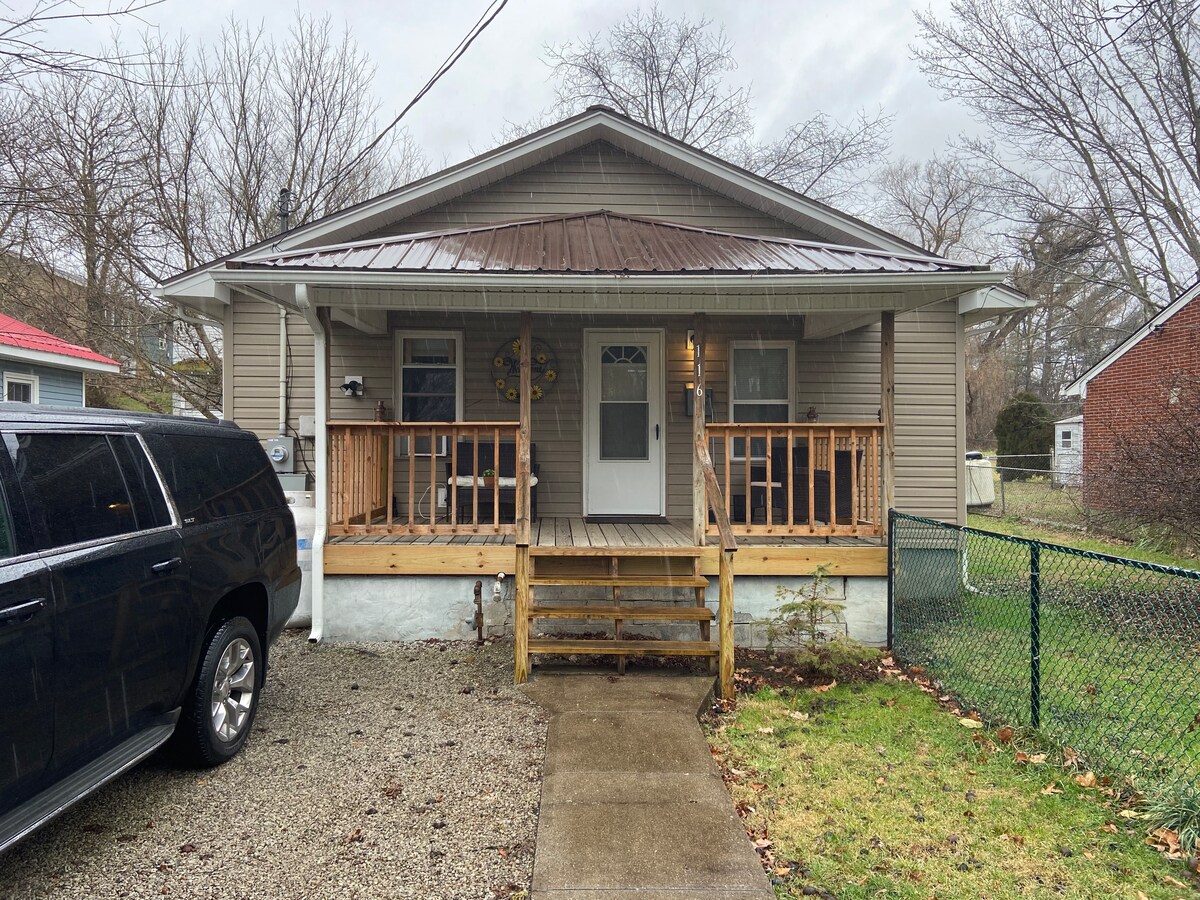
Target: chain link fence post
{"type": "Point", "coordinates": [1035, 635]}
{"type": "Point", "coordinates": [1099, 653]}
{"type": "Point", "coordinates": [891, 579]}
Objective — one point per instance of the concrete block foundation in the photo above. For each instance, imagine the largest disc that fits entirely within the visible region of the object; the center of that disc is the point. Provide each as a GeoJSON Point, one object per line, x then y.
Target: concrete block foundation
{"type": "Point", "coordinates": [422, 607]}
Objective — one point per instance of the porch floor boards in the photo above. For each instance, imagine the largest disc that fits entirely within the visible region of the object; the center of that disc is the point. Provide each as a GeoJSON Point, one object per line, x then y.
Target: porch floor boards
{"type": "Point", "coordinates": [573, 531]}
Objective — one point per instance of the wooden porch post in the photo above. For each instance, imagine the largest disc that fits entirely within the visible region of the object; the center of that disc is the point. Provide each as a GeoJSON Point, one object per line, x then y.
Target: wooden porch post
{"type": "Point", "coordinates": [887, 408]}
{"type": "Point", "coordinates": [699, 404]}
{"type": "Point", "coordinates": [521, 623]}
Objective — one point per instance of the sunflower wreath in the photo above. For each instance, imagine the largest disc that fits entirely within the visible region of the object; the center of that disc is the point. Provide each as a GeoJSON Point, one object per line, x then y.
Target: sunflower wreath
{"type": "Point", "coordinates": [506, 370]}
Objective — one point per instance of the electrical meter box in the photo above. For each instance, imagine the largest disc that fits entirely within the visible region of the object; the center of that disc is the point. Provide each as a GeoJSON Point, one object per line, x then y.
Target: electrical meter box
{"type": "Point", "coordinates": [282, 452]}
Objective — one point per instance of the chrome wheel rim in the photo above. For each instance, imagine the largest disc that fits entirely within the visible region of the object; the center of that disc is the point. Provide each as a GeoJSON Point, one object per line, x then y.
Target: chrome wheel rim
{"type": "Point", "coordinates": [233, 690]}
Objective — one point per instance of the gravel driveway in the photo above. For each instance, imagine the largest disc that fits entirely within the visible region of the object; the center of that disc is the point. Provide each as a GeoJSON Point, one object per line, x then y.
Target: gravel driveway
{"type": "Point", "coordinates": [375, 771]}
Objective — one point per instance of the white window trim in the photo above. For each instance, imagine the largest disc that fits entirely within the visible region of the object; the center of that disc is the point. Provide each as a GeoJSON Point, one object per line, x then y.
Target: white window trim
{"type": "Point", "coordinates": [398, 375]}
{"type": "Point", "coordinates": [21, 378]}
{"type": "Point", "coordinates": [1066, 439]}
{"type": "Point", "coordinates": [790, 346]}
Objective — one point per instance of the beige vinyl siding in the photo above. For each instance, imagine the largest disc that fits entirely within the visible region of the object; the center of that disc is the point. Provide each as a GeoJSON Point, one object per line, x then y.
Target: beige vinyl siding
{"type": "Point", "coordinates": [839, 376]}
{"type": "Point", "coordinates": [256, 366]}
{"type": "Point", "coordinates": [597, 176]}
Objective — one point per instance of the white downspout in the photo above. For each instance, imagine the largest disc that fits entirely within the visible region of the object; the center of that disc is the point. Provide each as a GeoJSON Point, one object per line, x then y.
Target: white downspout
{"type": "Point", "coordinates": [321, 415]}
{"type": "Point", "coordinates": [283, 341]}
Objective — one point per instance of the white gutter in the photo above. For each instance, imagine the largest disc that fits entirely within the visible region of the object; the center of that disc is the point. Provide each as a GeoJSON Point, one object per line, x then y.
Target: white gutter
{"type": "Point", "coordinates": [321, 413]}
{"type": "Point", "coordinates": [956, 282]}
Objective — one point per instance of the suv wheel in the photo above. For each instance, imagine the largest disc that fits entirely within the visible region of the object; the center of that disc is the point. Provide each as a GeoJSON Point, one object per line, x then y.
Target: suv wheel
{"type": "Point", "coordinates": [217, 717]}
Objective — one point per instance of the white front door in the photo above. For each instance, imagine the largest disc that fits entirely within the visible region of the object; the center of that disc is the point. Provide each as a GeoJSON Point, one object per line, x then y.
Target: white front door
{"type": "Point", "coordinates": [623, 450]}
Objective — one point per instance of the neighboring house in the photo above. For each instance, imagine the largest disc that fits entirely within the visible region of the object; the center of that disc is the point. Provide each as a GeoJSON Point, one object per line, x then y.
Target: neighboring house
{"type": "Point", "coordinates": [1134, 387]}
{"type": "Point", "coordinates": [592, 288]}
{"type": "Point", "coordinates": [40, 368]}
{"type": "Point", "coordinates": [1068, 452]}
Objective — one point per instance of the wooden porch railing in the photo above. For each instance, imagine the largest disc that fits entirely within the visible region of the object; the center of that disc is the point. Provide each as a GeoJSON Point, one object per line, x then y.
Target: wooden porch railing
{"type": "Point", "coordinates": [369, 459]}
{"type": "Point", "coordinates": [800, 479]}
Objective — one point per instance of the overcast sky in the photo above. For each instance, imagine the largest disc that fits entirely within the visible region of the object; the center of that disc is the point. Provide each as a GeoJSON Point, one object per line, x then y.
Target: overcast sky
{"type": "Point", "coordinates": [801, 56]}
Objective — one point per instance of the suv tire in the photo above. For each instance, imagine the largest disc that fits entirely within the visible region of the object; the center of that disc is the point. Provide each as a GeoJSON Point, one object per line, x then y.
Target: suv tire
{"type": "Point", "coordinates": [220, 710]}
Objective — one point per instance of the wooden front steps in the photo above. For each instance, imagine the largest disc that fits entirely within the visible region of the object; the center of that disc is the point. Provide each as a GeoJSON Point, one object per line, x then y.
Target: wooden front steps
{"type": "Point", "coordinates": [623, 648]}
{"type": "Point", "coordinates": [621, 570]}
{"type": "Point", "coordinates": [628, 611]}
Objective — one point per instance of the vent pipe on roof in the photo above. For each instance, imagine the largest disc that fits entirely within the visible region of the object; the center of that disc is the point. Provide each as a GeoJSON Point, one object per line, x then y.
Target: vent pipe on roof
{"type": "Point", "coordinates": [285, 209]}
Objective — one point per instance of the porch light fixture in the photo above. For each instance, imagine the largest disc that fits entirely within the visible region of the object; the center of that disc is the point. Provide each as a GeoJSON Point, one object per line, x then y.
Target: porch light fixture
{"type": "Point", "coordinates": [689, 401]}
{"type": "Point", "coordinates": [691, 340]}
{"type": "Point", "coordinates": [353, 386]}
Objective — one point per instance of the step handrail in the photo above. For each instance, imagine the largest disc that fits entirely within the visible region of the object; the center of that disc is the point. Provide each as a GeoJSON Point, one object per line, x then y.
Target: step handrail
{"type": "Point", "coordinates": [716, 500]}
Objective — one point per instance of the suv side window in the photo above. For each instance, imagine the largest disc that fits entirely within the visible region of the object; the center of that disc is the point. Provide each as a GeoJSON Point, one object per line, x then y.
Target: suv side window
{"type": "Point", "coordinates": [8, 540]}
{"type": "Point", "coordinates": [215, 477]}
{"type": "Point", "coordinates": [77, 481]}
{"type": "Point", "coordinates": [149, 504]}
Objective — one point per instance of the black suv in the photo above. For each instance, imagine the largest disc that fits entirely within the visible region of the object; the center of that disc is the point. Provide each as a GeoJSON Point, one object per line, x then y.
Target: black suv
{"type": "Point", "coordinates": [146, 564]}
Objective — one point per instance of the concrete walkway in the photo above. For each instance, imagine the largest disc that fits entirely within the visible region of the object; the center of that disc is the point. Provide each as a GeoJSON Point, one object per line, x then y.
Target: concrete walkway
{"type": "Point", "coordinates": [632, 803]}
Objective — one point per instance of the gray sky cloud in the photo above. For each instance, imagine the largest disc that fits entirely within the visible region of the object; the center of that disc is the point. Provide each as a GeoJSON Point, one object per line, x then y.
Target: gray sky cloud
{"type": "Point", "coordinates": [801, 57]}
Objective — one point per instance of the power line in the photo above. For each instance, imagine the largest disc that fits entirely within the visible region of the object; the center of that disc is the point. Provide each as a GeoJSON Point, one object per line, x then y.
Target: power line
{"type": "Point", "coordinates": [489, 15]}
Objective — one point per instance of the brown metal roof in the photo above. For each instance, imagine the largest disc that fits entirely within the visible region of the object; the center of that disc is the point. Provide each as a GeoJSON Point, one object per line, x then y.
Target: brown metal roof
{"type": "Point", "coordinates": [598, 242]}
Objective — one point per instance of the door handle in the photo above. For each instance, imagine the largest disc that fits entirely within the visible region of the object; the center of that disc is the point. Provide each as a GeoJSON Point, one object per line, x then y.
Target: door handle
{"type": "Point", "coordinates": [24, 610]}
{"type": "Point", "coordinates": [167, 565]}
{"type": "Point", "coordinates": [656, 432]}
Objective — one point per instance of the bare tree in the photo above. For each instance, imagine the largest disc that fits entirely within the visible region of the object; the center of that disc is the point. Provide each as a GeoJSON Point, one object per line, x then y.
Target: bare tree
{"type": "Point", "coordinates": [674, 75]}
{"type": "Point", "coordinates": [944, 204]}
{"type": "Point", "coordinates": [129, 179]}
{"type": "Point", "coordinates": [1101, 96]}
{"type": "Point", "coordinates": [26, 53]}
{"type": "Point", "coordinates": [669, 74]}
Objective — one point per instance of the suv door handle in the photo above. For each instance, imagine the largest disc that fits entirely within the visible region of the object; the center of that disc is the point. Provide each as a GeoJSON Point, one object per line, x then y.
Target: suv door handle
{"type": "Point", "coordinates": [24, 610]}
{"type": "Point", "coordinates": [167, 565]}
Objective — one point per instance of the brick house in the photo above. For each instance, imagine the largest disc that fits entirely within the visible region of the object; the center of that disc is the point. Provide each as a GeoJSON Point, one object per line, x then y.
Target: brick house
{"type": "Point", "coordinates": [1135, 391]}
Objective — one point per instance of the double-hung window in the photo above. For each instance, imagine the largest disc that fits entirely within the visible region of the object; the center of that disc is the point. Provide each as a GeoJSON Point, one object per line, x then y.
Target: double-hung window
{"type": "Point", "coordinates": [429, 381]}
{"type": "Point", "coordinates": [761, 387]}
{"type": "Point", "coordinates": [20, 388]}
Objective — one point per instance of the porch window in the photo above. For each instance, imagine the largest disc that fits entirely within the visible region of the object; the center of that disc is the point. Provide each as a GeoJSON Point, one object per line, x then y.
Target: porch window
{"type": "Point", "coordinates": [429, 380]}
{"type": "Point", "coordinates": [761, 387]}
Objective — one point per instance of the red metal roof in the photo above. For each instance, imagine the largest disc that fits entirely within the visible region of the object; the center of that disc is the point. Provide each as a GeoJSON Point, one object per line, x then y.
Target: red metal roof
{"type": "Point", "coordinates": [15, 333]}
{"type": "Point", "coordinates": [598, 242]}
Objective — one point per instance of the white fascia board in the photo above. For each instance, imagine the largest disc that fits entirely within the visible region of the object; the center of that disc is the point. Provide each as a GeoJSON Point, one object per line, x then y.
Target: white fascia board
{"type": "Point", "coordinates": [995, 299]}
{"type": "Point", "coordinates": [954, 284]}
{"type": "Point", "coordinates": [197, 286]}
{"type": "Point", "coordinates": [1078, 388]}
{"type": "Point", "coordinates": [56, 360]}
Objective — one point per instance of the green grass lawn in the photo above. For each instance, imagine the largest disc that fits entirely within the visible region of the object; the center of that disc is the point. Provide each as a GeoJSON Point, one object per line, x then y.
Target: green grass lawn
{"type": "Point", "coordinates": [874, 791]}
{"type": "Point", "coordinates": [1119, 647]}
{"type": "Point", "coordinates": [1037, 499]}
{"type": "Point", "coordinates": [1081, 541]}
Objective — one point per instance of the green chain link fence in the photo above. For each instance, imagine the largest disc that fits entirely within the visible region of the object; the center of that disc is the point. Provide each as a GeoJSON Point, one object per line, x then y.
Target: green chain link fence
{"type": "Point", "coordinates": [1101, 654]}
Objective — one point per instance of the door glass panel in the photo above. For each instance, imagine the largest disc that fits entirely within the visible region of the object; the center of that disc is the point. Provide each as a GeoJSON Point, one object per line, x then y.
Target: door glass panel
{"type": "Point", "coordinates": [624, 407]}
{"type": "Point", "coordinates": [624, 431]}
{"type": "Point", "coordinates": [623, 373]}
